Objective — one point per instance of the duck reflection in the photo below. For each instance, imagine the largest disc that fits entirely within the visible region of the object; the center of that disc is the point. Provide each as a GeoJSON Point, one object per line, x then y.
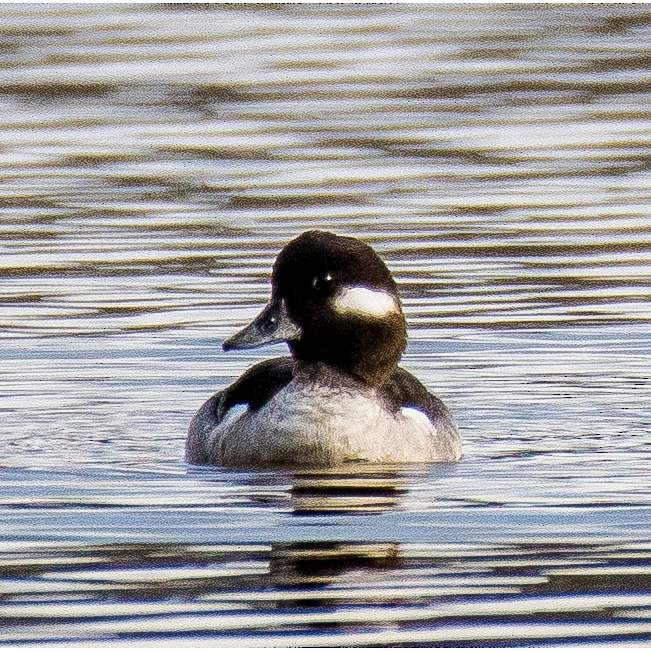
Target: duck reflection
{"type": "Point", "coordinates": [136, 590]}
{"type": "Point", "coordinates": [350, 490]}
{"type": "Point", "coordinates": [353, 489]}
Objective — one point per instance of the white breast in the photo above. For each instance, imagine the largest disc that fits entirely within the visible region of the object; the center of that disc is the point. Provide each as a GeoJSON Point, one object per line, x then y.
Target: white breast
{"type": "Point", "coordinates": [321, 424]}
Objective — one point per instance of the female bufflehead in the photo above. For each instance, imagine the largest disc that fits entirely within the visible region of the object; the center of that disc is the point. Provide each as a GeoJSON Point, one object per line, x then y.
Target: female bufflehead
{"type": "Point", "coordinates": [341, 396]}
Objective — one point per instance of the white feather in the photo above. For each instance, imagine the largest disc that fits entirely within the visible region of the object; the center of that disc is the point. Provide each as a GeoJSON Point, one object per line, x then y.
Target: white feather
{"type": "Point", "coordinates": [364, 301]}
{"type": "Point", "coordinates": [325, 424]}
{"type": "Point", "coordinates": [417, 418]}
{"type": "Point", "coordinates": [234, 413]}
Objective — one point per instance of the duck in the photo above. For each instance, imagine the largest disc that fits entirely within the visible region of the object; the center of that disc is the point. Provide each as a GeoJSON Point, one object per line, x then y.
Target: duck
{"type": "Point", "coordinates": [339, 397]}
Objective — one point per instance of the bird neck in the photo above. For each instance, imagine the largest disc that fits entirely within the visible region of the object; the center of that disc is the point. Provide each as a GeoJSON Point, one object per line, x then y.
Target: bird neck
{"type": "Point", "coordinates": [367, 350]}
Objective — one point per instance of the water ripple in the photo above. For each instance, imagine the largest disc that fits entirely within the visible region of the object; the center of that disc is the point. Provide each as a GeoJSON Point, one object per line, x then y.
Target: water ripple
{"type": "Point", "coordinates": [153, 162]}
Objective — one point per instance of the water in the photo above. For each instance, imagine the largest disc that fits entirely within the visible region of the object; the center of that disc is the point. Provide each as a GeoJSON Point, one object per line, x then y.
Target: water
{"type": "Point", "coordinates": [153, 161]}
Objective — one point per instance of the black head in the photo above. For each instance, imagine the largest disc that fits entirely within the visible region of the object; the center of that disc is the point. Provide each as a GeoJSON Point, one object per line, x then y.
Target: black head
{"type": "Point", "coordinates": [334, 301]}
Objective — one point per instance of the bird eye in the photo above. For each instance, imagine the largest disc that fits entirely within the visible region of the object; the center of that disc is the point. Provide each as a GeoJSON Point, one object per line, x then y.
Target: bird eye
{"type": "Point", "coordinates": [321, 284]}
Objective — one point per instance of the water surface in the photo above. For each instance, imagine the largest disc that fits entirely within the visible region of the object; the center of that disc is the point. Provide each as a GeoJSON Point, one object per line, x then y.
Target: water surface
{"type": "Point", "coordinates": [153, 161]}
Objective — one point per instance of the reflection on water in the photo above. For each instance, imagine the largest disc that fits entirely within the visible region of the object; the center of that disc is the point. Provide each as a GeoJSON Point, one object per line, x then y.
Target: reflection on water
{"type": "Point", "coordinates": [358, 489]}
{"type": "Point", "coordinates": [511, 581]}
{"type": "Point", "coordinates": [328, 593]}
{"type": "Point", "coordinates": [154, 159]}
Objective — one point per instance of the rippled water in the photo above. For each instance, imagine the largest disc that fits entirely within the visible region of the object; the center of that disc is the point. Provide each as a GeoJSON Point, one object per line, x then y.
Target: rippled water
{"type": "Point", "coordinates": [154, 159]}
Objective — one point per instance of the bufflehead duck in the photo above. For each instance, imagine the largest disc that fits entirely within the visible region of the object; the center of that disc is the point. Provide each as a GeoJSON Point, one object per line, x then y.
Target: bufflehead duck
{"type": "Point", "coordinates": [341, 396]}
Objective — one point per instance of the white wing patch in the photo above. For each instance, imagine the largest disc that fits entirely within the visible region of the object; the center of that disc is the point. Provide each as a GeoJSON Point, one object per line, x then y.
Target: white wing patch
{"type": "Point", "coordinates": [416, 417]}
{"type": "Point", "coordinates": [365, 301]}
{"type": "Point", "coordinates": [233, 413]}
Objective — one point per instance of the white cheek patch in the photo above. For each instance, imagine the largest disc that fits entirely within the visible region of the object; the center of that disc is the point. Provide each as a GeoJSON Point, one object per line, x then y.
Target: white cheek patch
{"type": "Point", "coordinates": [365, 302]}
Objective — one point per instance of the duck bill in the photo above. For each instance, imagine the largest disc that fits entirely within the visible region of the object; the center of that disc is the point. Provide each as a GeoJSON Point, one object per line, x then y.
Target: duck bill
{"type": "Point", "coordinates": [272, 325]}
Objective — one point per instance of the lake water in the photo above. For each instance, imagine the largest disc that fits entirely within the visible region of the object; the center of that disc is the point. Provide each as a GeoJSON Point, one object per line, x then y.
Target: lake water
{"type": "Point", "coordinates": [154, 159]}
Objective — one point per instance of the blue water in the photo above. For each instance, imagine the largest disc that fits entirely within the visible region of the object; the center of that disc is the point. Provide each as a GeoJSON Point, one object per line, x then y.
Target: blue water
{"type": "Point", "coordinates": [156, 158]}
